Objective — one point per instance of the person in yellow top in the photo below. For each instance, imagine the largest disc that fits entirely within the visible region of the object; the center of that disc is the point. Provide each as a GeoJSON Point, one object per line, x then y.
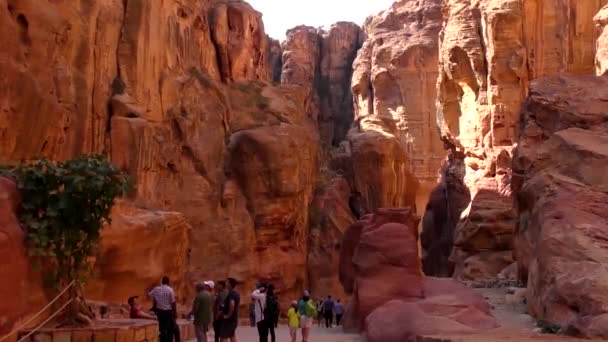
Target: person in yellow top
{"type": "Point", "coordinates": [294, 321]}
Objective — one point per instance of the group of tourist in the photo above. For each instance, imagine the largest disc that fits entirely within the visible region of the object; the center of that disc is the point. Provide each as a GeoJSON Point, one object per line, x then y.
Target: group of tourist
{"type": "Point", "coordinates": [213, 305]}
{"type": "Point", "coordinates": [217, 305]}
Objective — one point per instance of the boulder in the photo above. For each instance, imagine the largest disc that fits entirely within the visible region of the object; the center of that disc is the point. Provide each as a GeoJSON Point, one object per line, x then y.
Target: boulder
{"type": "Point", "coordinates": [561, 191]}
{"type": "Point", "coordinates": [391, 299]}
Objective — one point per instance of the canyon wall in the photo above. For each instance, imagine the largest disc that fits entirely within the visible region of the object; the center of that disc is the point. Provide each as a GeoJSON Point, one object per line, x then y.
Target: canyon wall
{"type": "Point", "coordinates": [393, 85]}
{"type": "Point", "coordinates": [176, 93]}
{"type": "Point", "coordinates": [489, 52]}
{"type": "Point", "coordinates": [383, 148]}
{"type": "Point", "coordinates": [561, 190]}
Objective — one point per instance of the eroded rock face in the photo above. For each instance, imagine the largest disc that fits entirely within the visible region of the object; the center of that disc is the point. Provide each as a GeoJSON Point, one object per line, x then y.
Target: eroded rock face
{"type": "Point", "coordinates": [380, 266]}
{"type": "Point", "coordinates": [489, 52]}
{"type": "Point", "coordinates": [23, 295]}
{"type": "Point", "coordinates": [172, 91]}
{"type": "Point", "coordinates": [322, 61]}
{"type": "Point", "coordinates": [394, 85]}
{"type": "Point", "coordinates": [560, 196]}
{"type": "Point", "coordinates": [240, 41]}
{"type": "Point", "coordinates": [330, 217]}
{"type": "Point", "coordinates": [137, 250]}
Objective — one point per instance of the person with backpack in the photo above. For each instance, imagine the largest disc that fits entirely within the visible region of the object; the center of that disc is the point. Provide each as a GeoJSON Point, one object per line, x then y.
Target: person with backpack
{"type": "Point", "coordinates": [308, 312]}
{"type": "Point", "coordinates": [258, 297]}
{"type": "Point", "coordinates": [271, 311]}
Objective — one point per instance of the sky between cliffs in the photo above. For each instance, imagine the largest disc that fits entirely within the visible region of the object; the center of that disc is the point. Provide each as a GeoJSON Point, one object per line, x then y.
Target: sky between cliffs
{"type": "Point", "coordinates": [281, 15]}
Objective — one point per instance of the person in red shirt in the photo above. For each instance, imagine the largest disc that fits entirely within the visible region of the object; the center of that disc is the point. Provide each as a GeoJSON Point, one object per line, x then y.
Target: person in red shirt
{"type": "Point", "coordinates": [135, 311]}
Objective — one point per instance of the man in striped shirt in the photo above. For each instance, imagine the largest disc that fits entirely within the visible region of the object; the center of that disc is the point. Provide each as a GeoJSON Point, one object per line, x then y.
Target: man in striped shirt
{"type": "Point", "coordinates": [164, 301]}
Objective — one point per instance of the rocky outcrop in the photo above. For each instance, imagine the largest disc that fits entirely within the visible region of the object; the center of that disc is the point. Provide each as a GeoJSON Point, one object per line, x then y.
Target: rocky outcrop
{"type": "Point", "coordinates": [275, 58]}
{"type": "Point", "coordinates": [601, 57]}
{"type": "Point", "coordinates": [23, 295]}
{"type": "Point", "coordinates": [240, 41]}
{"type": "Point", "coordinates": [393, 84]}
{"type": "Point", "coordinates": [330, 217]}
{"type": "Point", "coordinates": [322, 61]}
{"type": "Point", "coordinates": [136, 250]}
{"type": "Point", "coordinates": [489, 52]}
{"type": "Point", "coordinates": [560, 197]}
{"type": "Point", "coordinates": [175, 93]}
{"type": "Point", "coordinates": [381, 267]}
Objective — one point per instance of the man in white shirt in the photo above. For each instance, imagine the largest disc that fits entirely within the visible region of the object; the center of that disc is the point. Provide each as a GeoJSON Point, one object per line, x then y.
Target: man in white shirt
{"type": "Point", "coordinates": [164, 301]}
{"type": "Point", "coordinates": [259, 299]}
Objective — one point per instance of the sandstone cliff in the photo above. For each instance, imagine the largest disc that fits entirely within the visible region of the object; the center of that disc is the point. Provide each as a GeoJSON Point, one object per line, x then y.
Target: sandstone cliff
{"type": "Point", "coordinates": [489, 52]}
{"type": "Point", "coordinates": [561, 191]}
{"type": "Point", "coordinates": [393, 84]}
{"type": "Point", "coordinates": [177, 94]}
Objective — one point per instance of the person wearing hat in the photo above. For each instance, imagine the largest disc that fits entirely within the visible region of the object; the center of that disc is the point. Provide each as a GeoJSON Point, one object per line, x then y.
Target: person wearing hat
{"type": "Point", "coordinates": [202, 309]}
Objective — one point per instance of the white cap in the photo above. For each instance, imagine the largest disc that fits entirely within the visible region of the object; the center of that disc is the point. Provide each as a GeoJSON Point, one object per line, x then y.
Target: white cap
{"type": "Point", "coordinates": [209, 283]}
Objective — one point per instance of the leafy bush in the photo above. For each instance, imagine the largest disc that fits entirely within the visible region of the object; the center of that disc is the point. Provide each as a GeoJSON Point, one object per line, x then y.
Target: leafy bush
{"type": "Point", "coordinates": [64, 207]}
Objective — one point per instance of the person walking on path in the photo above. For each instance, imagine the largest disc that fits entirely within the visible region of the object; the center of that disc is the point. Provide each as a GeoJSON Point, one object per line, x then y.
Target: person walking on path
{"type": "Point", "coordinates": [258, 297]}
{"type": "Point", "coordinates": [308, 312]}
{"type": "Point", "coordinates": [320, 311]}
{"type": "Point", "coordinates": [164, 300]}
{"type": "Point", "coordinates": [202, 310]}
{"type": "Point", "coordinates": [328, 312]}
{"type": "Point", "coordinates": [271, 312]}
{"type": "Point", "coordinates": [220, 298]}
{"type": "Point", "coordinates": [339, 310]}
{"type": "Point", "coordinates": [293, 321]}
{"type": "Point", "coordinates": [230, 313]}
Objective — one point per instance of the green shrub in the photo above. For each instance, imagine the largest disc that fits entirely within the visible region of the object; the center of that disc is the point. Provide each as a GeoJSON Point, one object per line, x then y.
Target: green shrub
{"type": "Point", "coordinates": [64, 207]}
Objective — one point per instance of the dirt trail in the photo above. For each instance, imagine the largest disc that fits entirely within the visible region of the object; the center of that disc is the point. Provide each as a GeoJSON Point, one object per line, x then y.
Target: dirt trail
{"type": "Point", "coordinates": [510, 312]}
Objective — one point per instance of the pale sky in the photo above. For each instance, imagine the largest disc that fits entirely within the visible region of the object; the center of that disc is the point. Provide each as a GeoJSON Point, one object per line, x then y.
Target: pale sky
{"type": "Point", "coordinates": [281, 15]}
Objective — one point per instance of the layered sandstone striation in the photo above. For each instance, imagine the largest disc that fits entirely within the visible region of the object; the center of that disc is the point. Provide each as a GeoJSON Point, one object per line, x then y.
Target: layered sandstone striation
{"type": "Point", "coordinates": [561, 191]}
{"type": "Point", "coordinates": [489, 52]}
{"type": "Point", "coordinates": [394, 86]}
{"type": "Point", "coordinates": [177, 93]}
{"type": "Point", "coordinates": [136, 250]}
{"type": "Point", "coordinates": [380, 266]}
{"type": "Point", "coordinates": [322, 61]}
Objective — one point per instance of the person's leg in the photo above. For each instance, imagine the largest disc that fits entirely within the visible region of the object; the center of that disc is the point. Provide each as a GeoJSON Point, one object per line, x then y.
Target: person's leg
{"type": "Point", "coordinates": [164, 322]}
{"type": "Point", "coordinates": [331, 319]}
{"type": "Point", "coordinates": [216, 331]}
{"type": "Point", "coordinates": [175, 330]}
{"type": "Point", "coordinates": [292, 334]}
{"type": "Point", "coordinates": [198, 333]}
{"type": "Point", "coordinates": [305, 332]}
{"type": "Point", "coordinates": [271, 331]}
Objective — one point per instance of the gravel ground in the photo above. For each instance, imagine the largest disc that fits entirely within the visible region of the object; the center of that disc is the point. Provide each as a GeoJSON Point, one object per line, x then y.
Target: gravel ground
{"type": "Point", "coordinates": [318, 334]}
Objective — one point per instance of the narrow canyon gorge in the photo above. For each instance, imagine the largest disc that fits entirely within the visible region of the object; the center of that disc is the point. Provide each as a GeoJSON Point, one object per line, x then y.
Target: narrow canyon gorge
{"type": "Point", "coordinates": [462, 139]}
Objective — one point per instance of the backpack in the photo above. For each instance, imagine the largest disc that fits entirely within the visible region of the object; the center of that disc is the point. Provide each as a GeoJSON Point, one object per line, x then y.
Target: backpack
{"type": "Point", "coordinates": [310, 309]}
{"type": "Point", "coordinates": [271, 311]}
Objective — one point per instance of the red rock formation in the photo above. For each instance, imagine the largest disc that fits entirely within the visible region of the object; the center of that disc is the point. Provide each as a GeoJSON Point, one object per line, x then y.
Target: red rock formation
{"type": "Point", "coordinates": [182, 80]}
{"type": "Point", "coordinates": [489, 51]}
{"type": "Point", "coordinates": [330, 217]}
{"type": "Point", "coordinates": [561, 195]}
{"type": "Point", "coordinates": [394, 85]}
{"type": "Point", "coordinates": [321, 60]}
{"type": "Point", "coordinates": [136, 251]}
{"type": "Point", "coordinates": [392, 300]}
{"type": "Point", "coordinates": [21, 292]}
{"type": "Point", "coordinates": [240, 41]}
